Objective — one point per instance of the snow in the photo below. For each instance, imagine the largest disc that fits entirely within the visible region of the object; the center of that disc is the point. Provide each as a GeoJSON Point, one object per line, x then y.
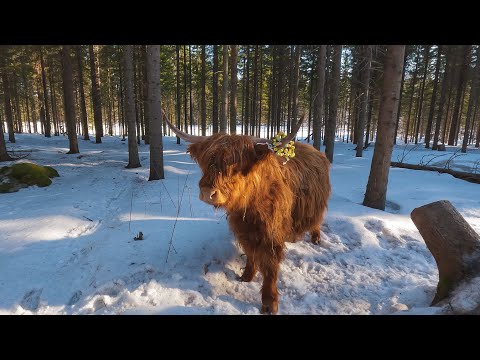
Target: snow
{"type": "Point", "coordinates": [69, 248]}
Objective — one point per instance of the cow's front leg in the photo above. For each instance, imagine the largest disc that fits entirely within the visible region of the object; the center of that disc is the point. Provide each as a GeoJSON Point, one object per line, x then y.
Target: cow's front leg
{"type": "Point", "coordinates": [250, 269]}
{"type": "Point", "coordinates": [269, 267]}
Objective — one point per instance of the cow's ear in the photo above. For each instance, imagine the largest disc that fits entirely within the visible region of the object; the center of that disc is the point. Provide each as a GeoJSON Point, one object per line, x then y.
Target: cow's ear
{"type": "Point", "coordinates": [195, 150]}
{"type": "Point", "coordinates": [261, 151]}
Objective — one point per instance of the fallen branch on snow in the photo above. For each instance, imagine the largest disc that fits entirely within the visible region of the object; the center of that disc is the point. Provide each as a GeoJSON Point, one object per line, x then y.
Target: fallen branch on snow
{"type": "Point", "coordinates": [473, 178]}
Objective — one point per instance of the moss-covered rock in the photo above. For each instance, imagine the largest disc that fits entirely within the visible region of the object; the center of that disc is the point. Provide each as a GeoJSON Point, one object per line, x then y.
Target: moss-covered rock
{"type": "Point", "coordinates": [17, 176]}
{"type": "Point", "coordinates": [51, 172]}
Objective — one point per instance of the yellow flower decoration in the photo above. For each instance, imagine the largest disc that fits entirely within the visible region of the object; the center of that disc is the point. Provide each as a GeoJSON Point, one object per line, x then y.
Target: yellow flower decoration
{"type": "Point", "coordinates": [288, 151]}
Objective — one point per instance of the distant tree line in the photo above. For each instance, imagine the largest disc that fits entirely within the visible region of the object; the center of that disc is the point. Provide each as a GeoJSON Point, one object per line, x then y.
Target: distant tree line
{"type": "Point", "coordinates": [238, 88]}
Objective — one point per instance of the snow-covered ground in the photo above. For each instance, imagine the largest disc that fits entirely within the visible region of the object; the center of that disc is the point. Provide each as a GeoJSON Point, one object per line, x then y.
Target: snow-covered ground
{"type": "Point", "coordinates": [69, 248]}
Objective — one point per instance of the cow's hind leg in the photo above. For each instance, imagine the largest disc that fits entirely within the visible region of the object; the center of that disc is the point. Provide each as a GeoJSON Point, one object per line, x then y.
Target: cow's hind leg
{"type": "Point", "coordinates": [315, 230]}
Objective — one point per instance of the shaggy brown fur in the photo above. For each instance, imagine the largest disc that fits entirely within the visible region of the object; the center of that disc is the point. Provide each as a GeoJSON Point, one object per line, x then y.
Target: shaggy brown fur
{"type": "Point", "coordinates": [267, 203]}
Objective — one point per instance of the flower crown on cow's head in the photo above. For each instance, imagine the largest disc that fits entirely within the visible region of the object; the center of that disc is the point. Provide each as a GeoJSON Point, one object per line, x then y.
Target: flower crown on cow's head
{"type": "Point", "coordinates": [287, 151]}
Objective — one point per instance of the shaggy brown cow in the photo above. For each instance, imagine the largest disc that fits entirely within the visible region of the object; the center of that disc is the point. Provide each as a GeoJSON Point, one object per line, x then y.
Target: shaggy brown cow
{"type": "Point", "coordinates": [267, 202]}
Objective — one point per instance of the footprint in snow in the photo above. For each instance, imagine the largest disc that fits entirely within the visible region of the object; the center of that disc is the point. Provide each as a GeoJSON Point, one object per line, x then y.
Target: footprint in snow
{"type": "Point", "coordinates": [31, 300]}
{"type": "Point", "coordinates": [75, 297]}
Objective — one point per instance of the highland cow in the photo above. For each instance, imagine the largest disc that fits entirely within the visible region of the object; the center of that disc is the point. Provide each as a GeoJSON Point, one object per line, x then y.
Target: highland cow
{"type": "Point", "coordinates": [267, 201]}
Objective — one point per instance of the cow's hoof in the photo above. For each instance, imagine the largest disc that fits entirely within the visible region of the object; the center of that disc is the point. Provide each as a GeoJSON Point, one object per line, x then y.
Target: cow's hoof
{"type": "Point", "coordinates": [247, 276]}
{"type": "Point", "coordinates": [270, 309]}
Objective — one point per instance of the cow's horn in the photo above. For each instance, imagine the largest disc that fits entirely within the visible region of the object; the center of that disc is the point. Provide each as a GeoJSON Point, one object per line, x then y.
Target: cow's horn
{"type": "Point", "coordinates": [287, 138]}
{"type": "Point", "coordinates": [181, 134]}
{"type": "Point", "coordinates": [294, 131]}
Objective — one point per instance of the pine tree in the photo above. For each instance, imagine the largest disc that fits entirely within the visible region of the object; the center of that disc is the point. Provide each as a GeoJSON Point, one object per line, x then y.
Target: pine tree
{"type": "Point", "coordinates": [133, 159]}
{"type": "Point", "coordinates": [332, 117]}
{"type": "Point", "coordinates": [154, 100]}
{"type": "Point", "coordinates": [69, 99]}
{"type": "Point", "coordinates": [428, 131]}
{"type": "Point", "coordinates": [233, 89]}
{"type": "Point", "coordinates": [376, 193]}
{"type": "Point", "coordinates": [319, 97]}
{"type": "Point", "coordinates": [96, 98]}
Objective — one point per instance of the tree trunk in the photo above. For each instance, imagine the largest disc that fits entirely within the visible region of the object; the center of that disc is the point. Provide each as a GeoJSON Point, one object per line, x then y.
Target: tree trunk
{"type": "Point", "coordinates": [27, 108]}
{"type": "Point", "coordinates": [332, 116]}
{"type": "Point", "coordinates": [179, 95]}
{"type": "Point", "coordinates": [253, 123]}
{"type": "Point", "coordinates": [280, 85]}
{"type": "Point", "coordinates": [114, 107]}
{"type": "Point", "coordinates": [472, 101]}
{"type": "Point", "coordinates": [76, 104]}
{"type": "Point", "coordinates": [146, 95]}
{"type": "Point", "coordinates": [42, 109]}
{"type": "Point", "coordinates": [260, 108]}
{"type": "Point", "coordinates": [376, 193]}
{"type": "Point", "coordinates": [452, 242]}
{"type": "Point", "coordinates": [190, 86]}
{"type": "Point", "coordinates": [412, 90]}
{"type": "Point", "coordinates": [68, 98]}
{"type": "Point", "coordinates": [326, 100]}
{"type": "Point", "coordinates": [224, 108]}
{"type": "Point", "coordinates": [121, 103]}
{"type": "Point", "coordinates": [26, 89]}
{"type": "Point", "coordinates": [34, 110]}
{"type": "Point", "coordinates": [133, 159]}
{"type": "Point", "coordinates": [365, 85]}
{"type": "Point", "coordinates": [233, 89]}
{"type": "Point", "coordinates": [290, 87]}
{"type": "Point", "coordinates": [154, 101]}
{"type": "Point", "coordinates": [243, 91]}
{"type": "Point", "coordinates": [401, 95]}
{"type": "Point", "coordinates": [55, 117]}
{"type": "Point", "coordinates": [135, 97]}
{"type": "Point", "coordinates": [17, 107]}
{"type": "Point", "coordinates": [428, 131]}
{"type": "Point", "coordinates": [441, 102]}
{"type": "Point", "coordinates": [296, 78]}
{"type": "Point", "coordinates": [474, 122]}
{"type": "Point", "coordinates": [477, 142]}
{"type": "Point", "coordinates": [96, 98]}
{"type": "Point", "coordinates": [139, 86]}
{"type": "Point", "coordinates": [3, 149]}
{"type": "Point", "coordinates": [369, 114]}
{"type": "Point", "coordinates": [185, 111]}
{"type": "Point", "coordinates": [6, 98]}
{"type": "Point", "coordinates": [83, 106]}
{"type": "Point", "coordinates": [215, 90]}
{"type": "Point", "coordinates": [319, 97]}
{"type": "Point", "coordinates": [310, 99]}
{"type": "Point", "coordinates": [247, 91]}
{"type": "Point", "coordinates": [350, 104]}
{"type": "Point", "coordinates": [426, 57]}
{"type": "Point", "coordinates": [111, 102]}
{"type": "Point", "coordinates": [464, 51]}
{"type": "Point", "coordinates": [45, 97]}
{"type": "Point", "coordinates": [204, 96]}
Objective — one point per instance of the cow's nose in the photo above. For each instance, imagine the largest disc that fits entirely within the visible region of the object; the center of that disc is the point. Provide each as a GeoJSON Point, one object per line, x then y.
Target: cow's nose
{"type": "Point", "coordinates": [208, 194]}
{"type": "Point", "coordinates": [212, 194]}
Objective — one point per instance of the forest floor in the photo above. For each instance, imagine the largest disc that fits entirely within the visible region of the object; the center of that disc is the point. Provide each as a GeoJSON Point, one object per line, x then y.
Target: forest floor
{"type": "Point", "coordinates": [69, 248]}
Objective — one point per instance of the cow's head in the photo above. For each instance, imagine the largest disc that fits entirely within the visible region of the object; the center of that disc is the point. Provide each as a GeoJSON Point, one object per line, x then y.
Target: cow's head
{"type": "Point", "coordinates": [225, 160]}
